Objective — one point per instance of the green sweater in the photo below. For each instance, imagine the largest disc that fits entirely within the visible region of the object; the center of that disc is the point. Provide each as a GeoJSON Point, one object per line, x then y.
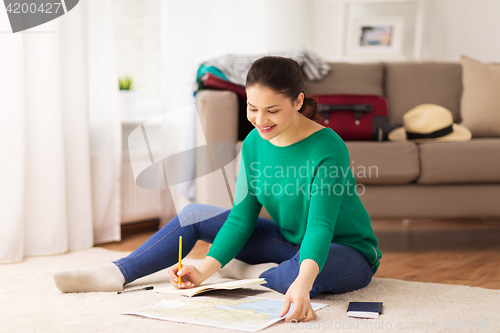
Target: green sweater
{"type": "Point", "coordinates": [308, 189]}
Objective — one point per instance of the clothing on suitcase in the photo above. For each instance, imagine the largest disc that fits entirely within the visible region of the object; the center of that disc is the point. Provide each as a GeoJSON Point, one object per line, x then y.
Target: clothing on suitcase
{"type": "Point", "coordinates": [354, 116]}
{"type": "Point", "coordinates": [211, 81]}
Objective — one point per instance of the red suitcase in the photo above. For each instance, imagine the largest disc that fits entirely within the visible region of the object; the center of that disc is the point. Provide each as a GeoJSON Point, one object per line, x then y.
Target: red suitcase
{"type": "Point", "coordinates": [211, 81]}
{"type": "Point", "coordinates": [353, 116]}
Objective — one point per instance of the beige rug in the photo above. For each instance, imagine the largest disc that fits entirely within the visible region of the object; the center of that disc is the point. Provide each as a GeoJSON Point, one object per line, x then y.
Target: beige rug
{"type": "Point", "coordinates": [30, 302]}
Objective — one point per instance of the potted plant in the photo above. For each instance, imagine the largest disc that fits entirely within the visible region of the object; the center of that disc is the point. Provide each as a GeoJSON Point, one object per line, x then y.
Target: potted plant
{"type": "Point", "coordinates": [126, 96]}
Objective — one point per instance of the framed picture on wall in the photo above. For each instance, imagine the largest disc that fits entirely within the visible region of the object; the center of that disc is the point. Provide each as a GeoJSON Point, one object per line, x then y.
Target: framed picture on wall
{"type": "Point", "coordinates": [378, 35]}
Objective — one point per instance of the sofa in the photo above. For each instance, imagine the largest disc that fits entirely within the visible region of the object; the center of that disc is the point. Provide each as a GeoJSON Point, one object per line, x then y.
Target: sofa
{"type": "Point", "coordinates": [395, 179]}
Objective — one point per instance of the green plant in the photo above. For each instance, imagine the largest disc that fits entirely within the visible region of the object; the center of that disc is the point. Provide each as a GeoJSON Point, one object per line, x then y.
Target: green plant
{"type": "Point", "coordinates": [125, 83]}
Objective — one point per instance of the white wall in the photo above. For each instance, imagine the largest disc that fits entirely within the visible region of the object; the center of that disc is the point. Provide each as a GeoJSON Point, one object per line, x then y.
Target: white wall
{"type": "Point", "coordinates": [469, 27]}
{"type": "Point", "coordinates": [199, 30]}
{"type": "Point", "coordinates": [451, 28]}
{"type": "Point", "coordinates": [187, 33]}
{"type": "Point", "coordinates": [161, 43]}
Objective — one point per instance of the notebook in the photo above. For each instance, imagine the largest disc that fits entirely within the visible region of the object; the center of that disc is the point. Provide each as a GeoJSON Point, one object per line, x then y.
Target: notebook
{"type": "Point", "coordinates": [202, 288]}
{"type": "Point", "coordinates": [364, 309]}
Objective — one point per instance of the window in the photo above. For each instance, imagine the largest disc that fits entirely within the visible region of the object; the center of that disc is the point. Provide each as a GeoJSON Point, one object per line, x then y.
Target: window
{"type": "Point", "coordinates": [137, 29]}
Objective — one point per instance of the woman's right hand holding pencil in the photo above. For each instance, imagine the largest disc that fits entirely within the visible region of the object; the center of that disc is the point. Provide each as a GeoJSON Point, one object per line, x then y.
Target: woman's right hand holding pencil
{"type": "Point", "coordinates": [189, 275]}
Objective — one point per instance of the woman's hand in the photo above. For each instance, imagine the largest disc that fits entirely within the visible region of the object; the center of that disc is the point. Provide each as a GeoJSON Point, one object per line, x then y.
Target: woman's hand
{"type": "Point", "coordinates": [298, 294]}
{"type": "Point", "coordinates": [190, 276]}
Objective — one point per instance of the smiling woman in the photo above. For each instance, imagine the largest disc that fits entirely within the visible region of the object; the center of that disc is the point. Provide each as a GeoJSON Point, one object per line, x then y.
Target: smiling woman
{"type": "Point", "coordinates": [320, 238]}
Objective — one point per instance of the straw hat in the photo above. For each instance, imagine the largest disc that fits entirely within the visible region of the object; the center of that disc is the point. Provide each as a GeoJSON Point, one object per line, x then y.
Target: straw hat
{"type": "Point", "coordinates": [429, 123]}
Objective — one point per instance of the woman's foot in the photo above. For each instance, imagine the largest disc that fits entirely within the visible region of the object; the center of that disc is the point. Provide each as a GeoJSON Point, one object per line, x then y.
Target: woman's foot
{"type": "Point", "coordinates": [107, 277]}
{"type": "Point", "coordinates": [238, 269]}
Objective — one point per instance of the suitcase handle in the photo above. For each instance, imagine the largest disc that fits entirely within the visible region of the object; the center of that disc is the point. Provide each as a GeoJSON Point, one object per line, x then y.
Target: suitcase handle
{"type": "Point", "coordinates": [359, 109]}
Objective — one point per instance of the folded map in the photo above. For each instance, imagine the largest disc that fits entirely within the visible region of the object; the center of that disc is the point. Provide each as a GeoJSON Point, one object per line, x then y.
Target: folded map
{"type": "Point", "coordinates": [205, 287]}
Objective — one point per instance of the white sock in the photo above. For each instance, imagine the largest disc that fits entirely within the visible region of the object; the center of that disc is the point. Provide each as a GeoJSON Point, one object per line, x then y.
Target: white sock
{"type": "Point", "coordinates": [107, 277]}
{"type": "Point", "coordinates": [238, 269]}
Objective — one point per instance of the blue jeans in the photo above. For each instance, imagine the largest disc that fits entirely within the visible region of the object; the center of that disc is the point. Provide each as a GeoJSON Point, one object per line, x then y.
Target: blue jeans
{"type": "Point", "coordinates": [345, 268]}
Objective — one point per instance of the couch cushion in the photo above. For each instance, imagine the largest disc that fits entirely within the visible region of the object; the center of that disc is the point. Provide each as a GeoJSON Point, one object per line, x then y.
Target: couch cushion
{"type": "Point", "coordinates": [348, 78]}
{"type": "Point", "coordinates": [383, 162]}
{"type": "Point", "coordinates": [474, 161]}
{"type": "Point", "coordinates": [480, 104]}
{"type": "Point", "coordinates": [409, 84]}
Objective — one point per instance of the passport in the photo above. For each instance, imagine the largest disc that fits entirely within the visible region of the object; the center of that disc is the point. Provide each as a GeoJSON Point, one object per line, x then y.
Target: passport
{"type": "Point", "coordinates": [364, 309]}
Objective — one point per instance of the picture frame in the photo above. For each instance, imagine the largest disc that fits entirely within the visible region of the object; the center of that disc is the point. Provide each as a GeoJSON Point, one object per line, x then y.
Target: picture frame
{"type": "Point", "coordinates": [376, 36]}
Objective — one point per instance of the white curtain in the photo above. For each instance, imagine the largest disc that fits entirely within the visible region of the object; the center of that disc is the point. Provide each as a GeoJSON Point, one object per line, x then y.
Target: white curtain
{"type": "Point", "coordinates": [105, 124]}
{"type": "Point", "coordinates": [59, 135]}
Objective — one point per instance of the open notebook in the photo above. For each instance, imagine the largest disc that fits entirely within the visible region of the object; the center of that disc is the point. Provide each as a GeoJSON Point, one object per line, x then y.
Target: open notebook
{"type": "Point", "coordinates": [205, 287]}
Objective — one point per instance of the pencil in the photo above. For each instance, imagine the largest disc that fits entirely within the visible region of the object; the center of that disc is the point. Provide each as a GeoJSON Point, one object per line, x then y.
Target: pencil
{"type": "Point", "coordinates": [180, 258]}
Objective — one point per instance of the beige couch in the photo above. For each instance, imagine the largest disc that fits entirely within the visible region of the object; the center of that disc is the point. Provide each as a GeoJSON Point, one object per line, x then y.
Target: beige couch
{"type": "Point", "coordinates": [407, 180]}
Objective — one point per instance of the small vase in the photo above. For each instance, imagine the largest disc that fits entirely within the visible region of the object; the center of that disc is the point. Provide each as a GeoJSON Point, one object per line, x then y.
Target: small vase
{"type": "Point", "coordinates": [126, 103]}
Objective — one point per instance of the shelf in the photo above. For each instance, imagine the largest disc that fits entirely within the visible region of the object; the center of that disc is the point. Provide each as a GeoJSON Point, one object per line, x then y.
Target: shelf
{"type": "Point", "coordinates": [152, 120]}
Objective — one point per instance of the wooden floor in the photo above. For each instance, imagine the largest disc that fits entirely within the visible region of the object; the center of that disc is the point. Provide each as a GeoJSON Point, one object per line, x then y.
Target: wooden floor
{"type": "Point", "coordinates": [454, 251]}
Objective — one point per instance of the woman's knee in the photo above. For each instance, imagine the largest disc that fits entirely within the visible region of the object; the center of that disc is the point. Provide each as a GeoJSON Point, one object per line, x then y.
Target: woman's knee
{"type": "Point", "coordinates": [203, 209]}
{"type": "Point", "coordinates": [359, 280]}
{"type": "Point", "coordinates": [196, 212]}
{"type": "Point", "coordinates": [345, 270]}
{"type": "Point", "coordinates": [191, 207]}
{"type": "Point", "coordinates": [281, 277]}
{"type": "Point", "coordinates": [368, 274]}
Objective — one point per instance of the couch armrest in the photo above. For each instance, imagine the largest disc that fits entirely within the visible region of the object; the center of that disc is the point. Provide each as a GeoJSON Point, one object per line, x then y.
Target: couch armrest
{"type": "Point", "coordinates": [218, 114]}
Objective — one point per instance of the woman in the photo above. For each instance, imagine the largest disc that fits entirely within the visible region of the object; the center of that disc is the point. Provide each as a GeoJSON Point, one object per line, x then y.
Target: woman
{"type": "Point", "coordinates": [320, 238]}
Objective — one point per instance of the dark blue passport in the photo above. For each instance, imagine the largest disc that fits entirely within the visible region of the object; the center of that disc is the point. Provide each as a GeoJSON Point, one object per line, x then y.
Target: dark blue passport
{"type": "Point", "coordinates": [364, 309]}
